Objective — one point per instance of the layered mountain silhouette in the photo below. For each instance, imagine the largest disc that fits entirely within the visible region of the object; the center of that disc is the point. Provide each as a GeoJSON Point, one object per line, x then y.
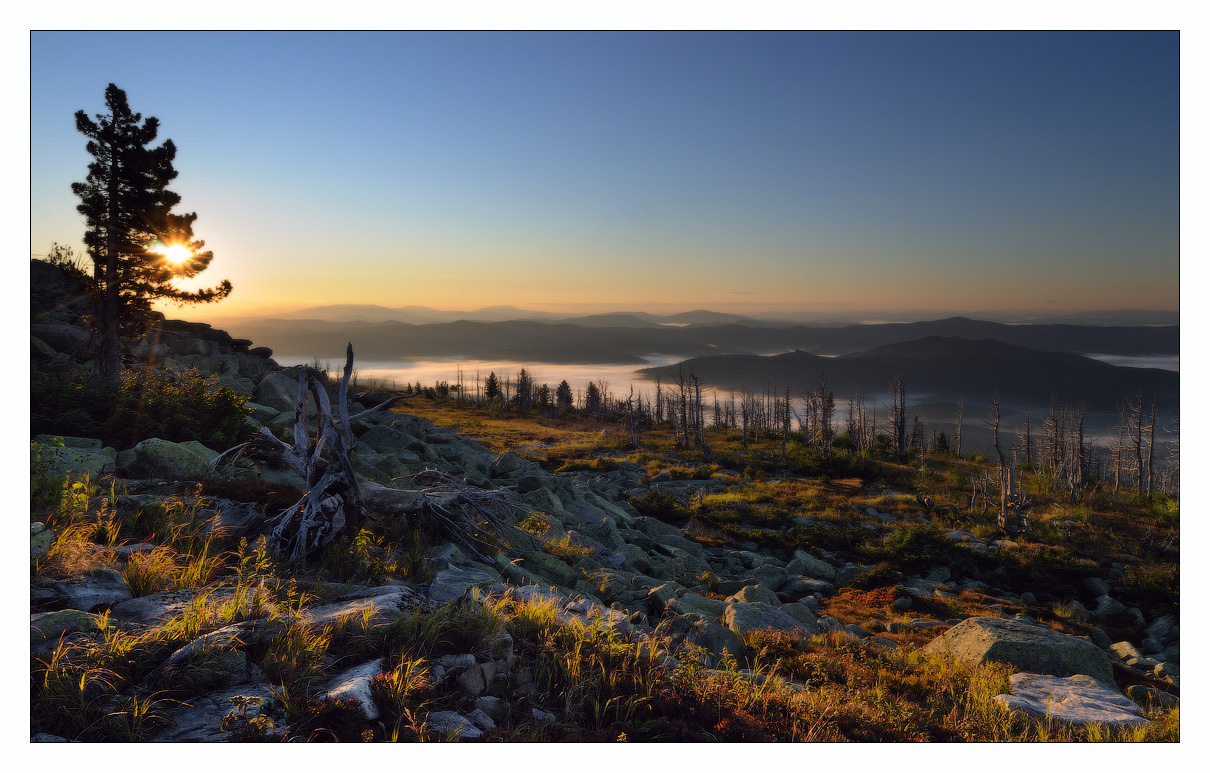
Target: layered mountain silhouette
{"type": "Point", "coordinates": [942, 369]}
{"type": "Point", "coordinates": [629, 338]}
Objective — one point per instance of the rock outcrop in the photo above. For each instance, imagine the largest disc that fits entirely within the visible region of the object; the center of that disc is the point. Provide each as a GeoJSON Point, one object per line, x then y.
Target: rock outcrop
{"type": "Point", "coordinates": [1027, 646]}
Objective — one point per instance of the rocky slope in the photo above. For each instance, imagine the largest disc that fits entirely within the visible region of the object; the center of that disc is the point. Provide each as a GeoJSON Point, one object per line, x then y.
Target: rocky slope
{"type": "Point", "coordinates": [601, 560]}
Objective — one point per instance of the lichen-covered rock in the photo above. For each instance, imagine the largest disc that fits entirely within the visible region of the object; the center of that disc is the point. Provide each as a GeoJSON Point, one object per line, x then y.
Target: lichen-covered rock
{"type": "Point", "coordinates": [693, 602]}
{"type": "Point", "coordinates": [57, 455]}
{"type": "Point", "coordinates": [455, 581]}
{"type": "Point", "coordinates": [40, 540]}
{"type": "Point", "coordinates": [1076, 699]}
{"type": "Point", "coordinates": [548, 566]}
{"type": "Point", "coordinates": [808, 565]}
{"type": "Point", "coordinates": [752, 594]}
{"type": "Point", "coordinates": [1026, 646]}
{"type": "Point", "coordinates": [49, 626]}
{"type": "Point", "coordinates": [742, 618]}
{"type": "Point", "coordinates": [1110, 610]}
{"type": "Point", "coordinates": [697, 630]}
{"type": "Point", "coordinates": [163, 459]}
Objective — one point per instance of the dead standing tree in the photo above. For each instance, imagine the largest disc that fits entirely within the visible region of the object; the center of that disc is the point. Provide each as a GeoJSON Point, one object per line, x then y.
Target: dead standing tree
{"type": "Point", "coordinates": [337, 503]}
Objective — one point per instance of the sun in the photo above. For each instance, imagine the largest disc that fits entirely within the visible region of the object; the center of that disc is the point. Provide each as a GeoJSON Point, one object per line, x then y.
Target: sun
{"type": "Point", "coordinates": [174, 253]}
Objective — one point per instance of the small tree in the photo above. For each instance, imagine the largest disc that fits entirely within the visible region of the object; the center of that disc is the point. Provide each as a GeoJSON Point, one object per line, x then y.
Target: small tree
{"type": "Point", "coordinates": [491, 387]}
{"type": "Point", "coordinates": [563, 397]}
{"type": "Point", "coordinates": [138, 246]}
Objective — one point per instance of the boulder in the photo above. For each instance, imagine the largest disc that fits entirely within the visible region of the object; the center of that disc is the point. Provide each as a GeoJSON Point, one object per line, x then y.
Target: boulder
{"type": "Point", "coordinates": [742, 618]}
{"type": "Point", "coordinates": [661, 595]}
{"type": "Point", "coordinates": [1078, 699]}
{"type": "Point", "coordinates": [1151, 697]}
{"type": "Point", "coordinates": [1110, 610]}
{"type": "Point", "coordinates": [802, 613]}
{"type": "Point", "coordinates": [1161, 628]}
{"type": "Point", "coordinates": [94, 589]}
{"type": "Point", "coordinates": [159, 608]}
{"type": "Point", "coordinates": [698, 630]}
{"type": "Point", "coordinates": [383, 609]}
{"type": "Point", "coordinates": [49, 626]}
{"type": "Point", "coordinates": [548, 566]}
{"type": "Point", "coordinates": [693, 602]}
{"type": "Point", "coordinates": [355, 684]}
{"type": "Point", "coordinates": [808, 565]}
{"type": "Point", "coordinates": [201, 718]}
{"type": "Point", "coordinates": [165, 460]}
{"type": "Point", "coordinates": [1027, 646]}
{"type": "Point", "coordinates": [40, 540]}
{"type": "Point", "coordinates": [55, 456]}
{"type": "Point", "coordinates": [752, 594]}
{"type": "Point", "coordinates": [68, 339]}
{"type": "Point", "coordinates": [455, 581]}
{"type": "Point", "coordinates": [278, 390]}
{"type": "Point", "coordinates": [451, 723]}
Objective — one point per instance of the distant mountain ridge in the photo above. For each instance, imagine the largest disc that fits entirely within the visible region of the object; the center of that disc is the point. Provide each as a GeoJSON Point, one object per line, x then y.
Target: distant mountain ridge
{"type": "Point", "coordinates": [624, 339]}
{"type": "Point", "coordinates": [943, 368]}
{"type": "Point", "coordinates": [415, 314]}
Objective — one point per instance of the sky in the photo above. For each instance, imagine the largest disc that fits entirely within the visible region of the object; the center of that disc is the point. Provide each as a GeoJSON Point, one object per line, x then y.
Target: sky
{"type": "Point", "coordinates": [580, 172]}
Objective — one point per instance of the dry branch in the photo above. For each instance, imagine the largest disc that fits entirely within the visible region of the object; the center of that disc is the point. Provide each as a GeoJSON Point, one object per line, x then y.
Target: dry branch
{"type": "Point", "coordinates": [337, 502]}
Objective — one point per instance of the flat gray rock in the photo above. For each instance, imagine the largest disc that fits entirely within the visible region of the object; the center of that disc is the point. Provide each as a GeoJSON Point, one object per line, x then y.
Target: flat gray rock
{"type": "Point", "coordinates": [1079, 700]}
{"type": "Point", "coordinates": [97, 588]}
{"type": "Point", "coordinates": [355, 684]}
{"type": "Point", "coordinates": [453, 723]}
{"type": "Point", "coordinates": [200, 719]}
{"type": "Point", "coordinates": [455, 581]}
{"type": "Point", "coordinates": [742, 618]}
{"type": "Point", "coordinates": [1025, 645]}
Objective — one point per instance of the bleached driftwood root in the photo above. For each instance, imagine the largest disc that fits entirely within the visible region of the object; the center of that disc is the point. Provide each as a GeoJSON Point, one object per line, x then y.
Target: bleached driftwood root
{"type": "Point", "coordinates": [337, 502]}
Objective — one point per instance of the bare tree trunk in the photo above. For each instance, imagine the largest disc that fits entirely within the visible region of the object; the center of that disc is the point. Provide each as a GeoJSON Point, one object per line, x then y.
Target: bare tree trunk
{"type": "Point", "coordinates": [1151, 452]}
{"type": "Point", "coordinates": [337, 502]}
{"type": "Point", "coordinates": [332, 504]}
{"type": "Point", "coordinates": [958, 429]}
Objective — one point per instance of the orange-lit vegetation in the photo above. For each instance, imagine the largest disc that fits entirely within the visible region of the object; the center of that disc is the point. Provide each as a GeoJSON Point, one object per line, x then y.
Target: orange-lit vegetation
{"type": "Point", "coordinates": [598, 685]}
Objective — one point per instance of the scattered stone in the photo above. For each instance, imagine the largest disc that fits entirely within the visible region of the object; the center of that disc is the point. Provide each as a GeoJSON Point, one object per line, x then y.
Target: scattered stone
{"type": "Point", "coordinates": [453, 723]}
{"type": "Point", "coordinates": [452, 583]}
{"type": "Point", "coordinates": [164, 460]}
{"type": "Point", "coordinates": [492, 706]}
{"type": "Point", "coordinates": [699, 630]}
{"type": "Point", "coordinates": [1110, 610]}
{"type": "Point", "coordinates": [1151, 698]}
{"type": "Point", "coordinates": [481, 720]}
{"type": "Point", "coordinates": [742, 618]}
{"type": "Point", "coordinates": [40, 540]}
{"type": "Point", "coordinates": [355, 683]}
{"type": "Point", "coordinates": [754, 594]}
{"type": "Point", "coordinates": [49, 626]}
{"type": "Point", "coordinates": [201, 718]}
{"type": "Point", "coordinates": [94, 589]}
{"type": "Point", "coordinates": [1076, 699]}
{"type": "Point", "coordinates": [1024, 645]}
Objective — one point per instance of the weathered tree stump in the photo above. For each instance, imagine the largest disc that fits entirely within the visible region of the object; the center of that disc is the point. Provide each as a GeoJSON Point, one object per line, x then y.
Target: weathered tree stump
{"type": "Point", "coordinates": [336, 502]}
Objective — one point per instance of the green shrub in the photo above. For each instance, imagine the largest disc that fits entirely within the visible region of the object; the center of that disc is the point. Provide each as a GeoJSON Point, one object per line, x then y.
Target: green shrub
{"type": "Point", "coordinates": [148, 403]}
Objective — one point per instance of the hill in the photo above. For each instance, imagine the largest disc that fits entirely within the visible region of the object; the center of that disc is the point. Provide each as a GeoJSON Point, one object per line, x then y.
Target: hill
{"type": "Point", "coordinates": [946, 368]}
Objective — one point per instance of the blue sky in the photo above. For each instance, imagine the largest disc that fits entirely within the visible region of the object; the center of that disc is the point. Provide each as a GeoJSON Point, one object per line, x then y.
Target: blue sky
{"type": "Point", "coordinates": [940, 172]}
